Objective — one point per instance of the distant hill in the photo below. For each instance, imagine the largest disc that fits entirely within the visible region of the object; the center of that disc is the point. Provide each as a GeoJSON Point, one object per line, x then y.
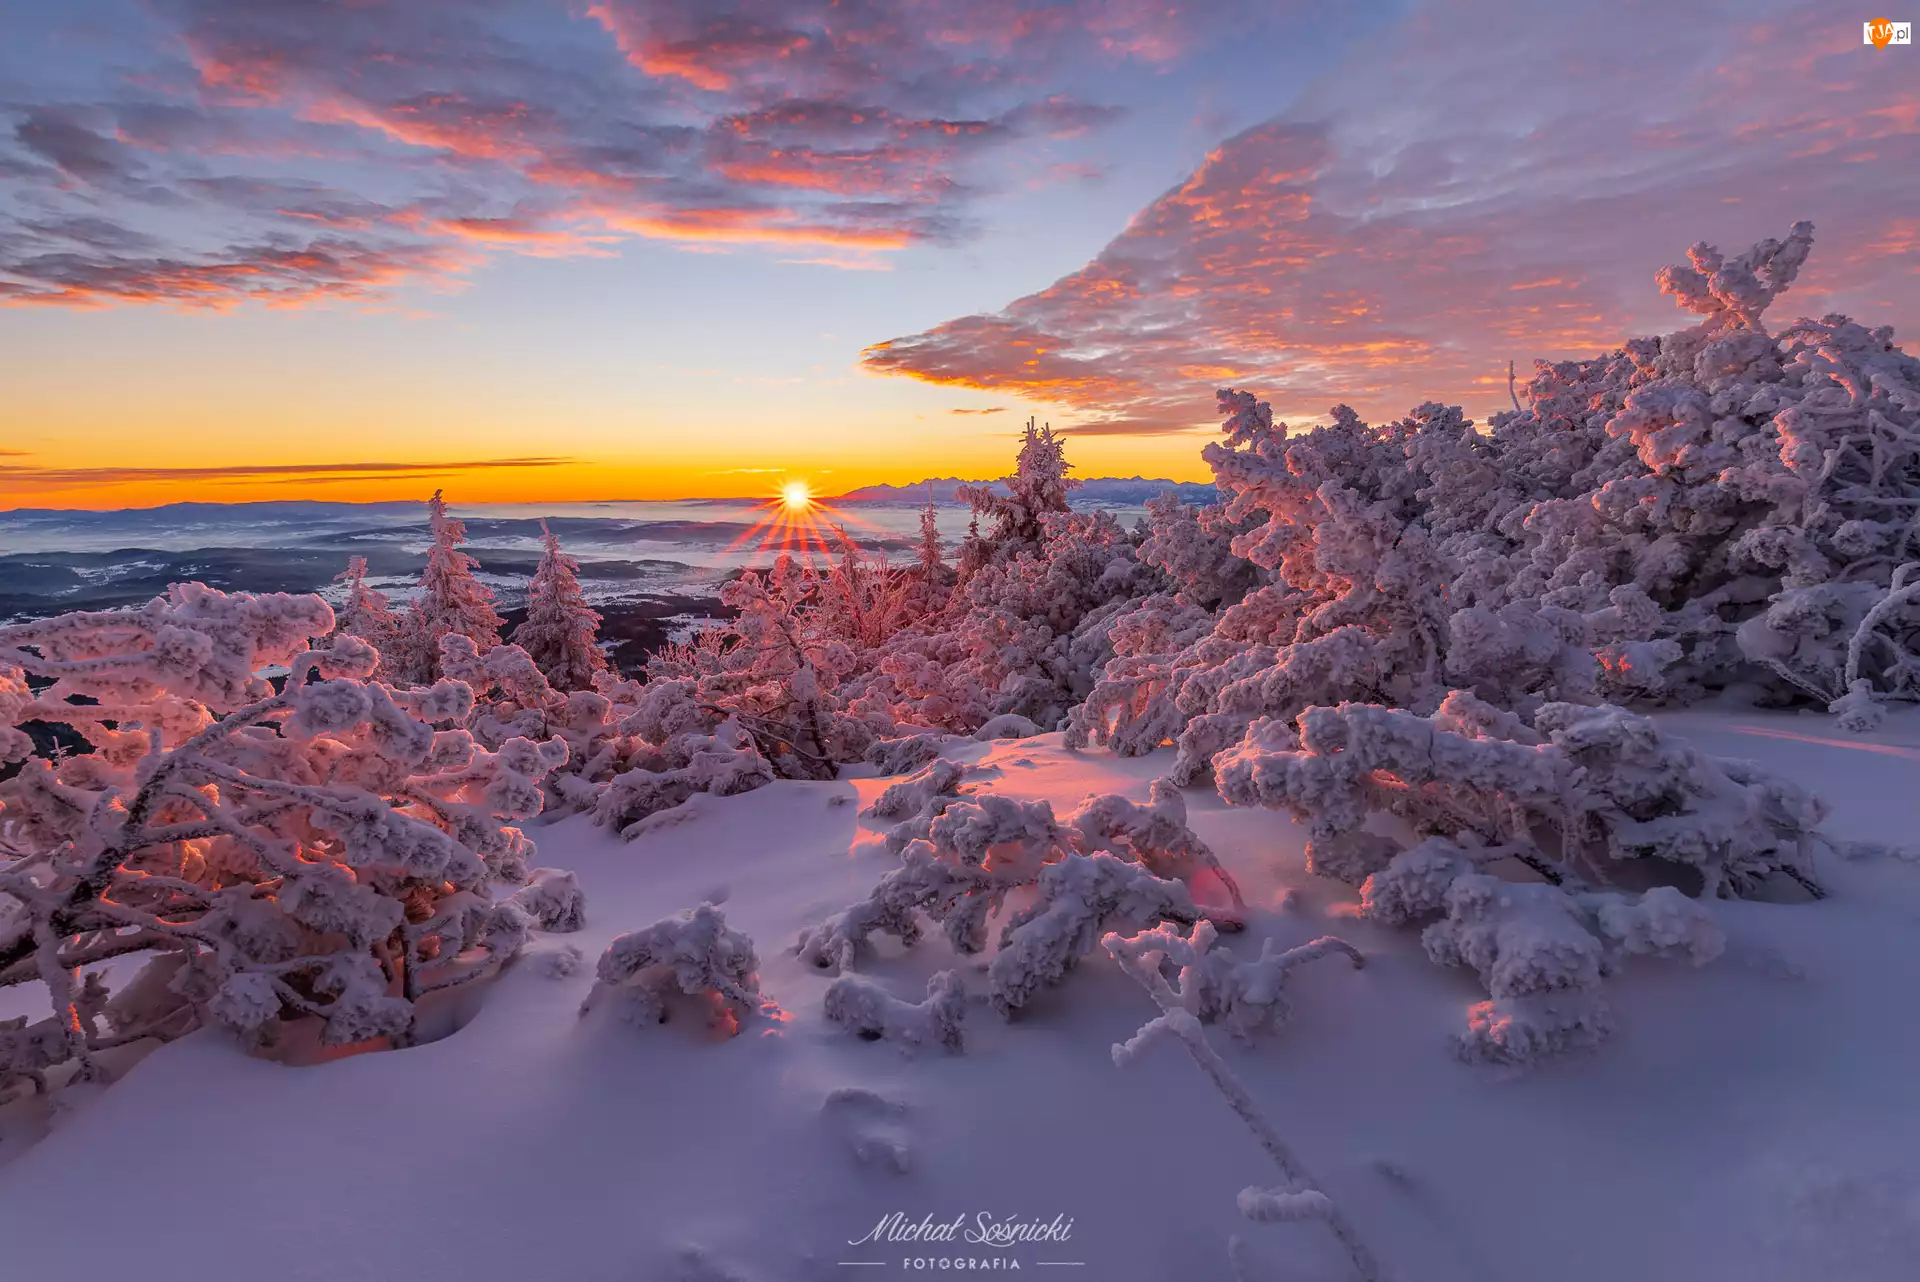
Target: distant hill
{"type": "Point", "coordinates": [1099, 491]}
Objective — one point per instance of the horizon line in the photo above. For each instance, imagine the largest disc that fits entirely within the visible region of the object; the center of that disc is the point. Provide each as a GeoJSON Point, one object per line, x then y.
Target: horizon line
{"type": "Point", "coordinates": [688, 498]}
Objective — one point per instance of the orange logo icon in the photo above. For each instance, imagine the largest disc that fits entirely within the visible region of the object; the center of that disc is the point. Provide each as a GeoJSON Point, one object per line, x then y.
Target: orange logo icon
{"type": "Point", "coordinates": [1881, 32]}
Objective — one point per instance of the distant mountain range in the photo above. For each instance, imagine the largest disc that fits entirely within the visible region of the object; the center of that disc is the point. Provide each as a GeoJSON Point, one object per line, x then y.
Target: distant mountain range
{"type": "Point", "coordinates": [1099, 491]}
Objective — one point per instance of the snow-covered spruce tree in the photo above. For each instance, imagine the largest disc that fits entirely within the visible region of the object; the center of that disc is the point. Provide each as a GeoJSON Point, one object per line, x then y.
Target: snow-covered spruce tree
{"type": "Point", "coordinates": [933, 580]}
{"type": "Point", "coordinates": [448, 600]}
{"type": "Point", "coordinates": [1720, 504]}
{"type": "Point", "coordinates": [974, 551]}
{"type": "Point", "coordinates": [1350, 599]}
{"type": "Point", "coordinates": [366, 613]}
{"type": "Point", "coordinates": [317, 852]}
{"type": "Point", "coordinates": [561, 632]}
{"type": "Point", "coordinates": [1039, 485]}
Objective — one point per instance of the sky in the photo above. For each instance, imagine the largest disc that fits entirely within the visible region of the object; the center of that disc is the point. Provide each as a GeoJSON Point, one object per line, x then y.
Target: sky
{"type": "Point", "coordinates": [553, 250]}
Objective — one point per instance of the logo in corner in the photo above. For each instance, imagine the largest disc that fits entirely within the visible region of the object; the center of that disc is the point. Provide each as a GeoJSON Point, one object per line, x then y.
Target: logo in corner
{"type": "Point", "coordinates": [1881, 32]}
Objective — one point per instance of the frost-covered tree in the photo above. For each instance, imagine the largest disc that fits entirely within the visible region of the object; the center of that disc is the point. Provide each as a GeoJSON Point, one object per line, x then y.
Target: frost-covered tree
{"type": "Point", "coordinates": [776, 675]}
{"type": "Point", "coordinates": [1023, 635]}
{"type": "Point", "coordinates": [251, 856]}
{"type": "Point", "coordinates": [449, 600]}
{"type": "Point", "coordinates": [932, 578]}
{"type": "Point", "coordinates": [861, 601]}
{"type": "Point", "coordinates": [561, 632]}
{"type": "Point", "coordinates": [366, 613]}
{"type": "Point", "coordinates": [974, 550]}
{"type": "Point", "coordinates": [1039, 485]}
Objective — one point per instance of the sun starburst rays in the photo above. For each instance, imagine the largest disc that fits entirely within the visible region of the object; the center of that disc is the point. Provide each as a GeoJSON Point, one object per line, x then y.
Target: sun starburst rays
{"type": "Point", "coordinates": [797, 523]}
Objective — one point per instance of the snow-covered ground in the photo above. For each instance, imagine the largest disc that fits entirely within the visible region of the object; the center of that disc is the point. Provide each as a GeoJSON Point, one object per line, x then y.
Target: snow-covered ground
{"type": "Point", "coordinates": [1751, 1121]}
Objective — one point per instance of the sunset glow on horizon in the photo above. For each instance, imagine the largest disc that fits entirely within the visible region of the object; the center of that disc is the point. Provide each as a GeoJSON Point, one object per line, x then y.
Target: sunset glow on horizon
{"type": "Point", "coordinates": [650, 249]}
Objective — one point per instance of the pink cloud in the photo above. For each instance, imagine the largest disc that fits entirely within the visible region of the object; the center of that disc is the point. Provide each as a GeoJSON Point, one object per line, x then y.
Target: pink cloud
{"type": "Point", "coordinates": [1490, 183]}
{"type": "Point", "coordinates": [318, 270]}
{"type": "Point", "coordinates": [521, 126]}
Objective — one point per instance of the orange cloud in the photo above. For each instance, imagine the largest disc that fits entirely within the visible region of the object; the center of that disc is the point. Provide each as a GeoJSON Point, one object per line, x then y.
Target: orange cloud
{"type": "Point", "coordinates": [24, 478]}
{"type": "Point", "coordinates": [749, 227]}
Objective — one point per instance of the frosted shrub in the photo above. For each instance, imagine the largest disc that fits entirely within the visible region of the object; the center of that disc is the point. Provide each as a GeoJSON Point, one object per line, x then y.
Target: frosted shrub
{"type": "Point", "coordinates": [694, 954]}
{"type": "Point", "coordinates": [1154, 835]}
{"type": "Point", "coordinates": [958, 862]}
{"type": "Point", "coordinates": [927, 791]}
{"type": "Point", "coordinates": [1081, 898]}
{"type": "Point", "coordinates": [866, 1010]}
{"type": "Point", "coordinates": [552, 900]}
{"type": "Point", "coordinates": [962, 854]}
{"type": "Point", "coordinates": [959, 896]}
{"type": "Point", "coordinates": [1244, 997]}
{"type": "Point", "coordinates": [1606, 784]}
{"type": "Point", "coordinates": [723, 764]}
{"type": "Point", "coordinates": [1541, 949]}
{"type": "Point", "coordinates": [322, 851]}
{"type": "Point", "coordinates": [1008, 725]}
{"type": "Point", "coordinates": [905, 754]}
{"type": "Point", "coordinates": [637, 749]}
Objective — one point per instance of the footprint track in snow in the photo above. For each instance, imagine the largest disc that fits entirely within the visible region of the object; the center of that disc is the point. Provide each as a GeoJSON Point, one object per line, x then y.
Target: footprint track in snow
{"type": "Point", "coordinates": [873, 1127]}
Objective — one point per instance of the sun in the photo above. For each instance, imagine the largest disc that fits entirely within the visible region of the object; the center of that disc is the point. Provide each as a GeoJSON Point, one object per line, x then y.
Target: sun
{"type": "Point", "coordinates": [795, 496]}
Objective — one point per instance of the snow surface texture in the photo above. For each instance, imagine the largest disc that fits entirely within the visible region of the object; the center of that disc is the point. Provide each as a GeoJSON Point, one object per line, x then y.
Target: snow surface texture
{"type": "Point", "coordinates": [1748, 1122]}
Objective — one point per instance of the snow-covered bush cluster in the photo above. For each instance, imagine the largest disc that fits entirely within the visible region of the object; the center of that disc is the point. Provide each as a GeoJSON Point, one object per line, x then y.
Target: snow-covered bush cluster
{"type": "Point", "coordinates": [1688, 513]}
{"type": "Point", "coordinates": [962, 853]}
{"type": "Point", "coordinates": [633, 748]}
{"type": "Point", "coordinates": [1422, 632]}
{"type": "Point", "coordinates": [250, 856]}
